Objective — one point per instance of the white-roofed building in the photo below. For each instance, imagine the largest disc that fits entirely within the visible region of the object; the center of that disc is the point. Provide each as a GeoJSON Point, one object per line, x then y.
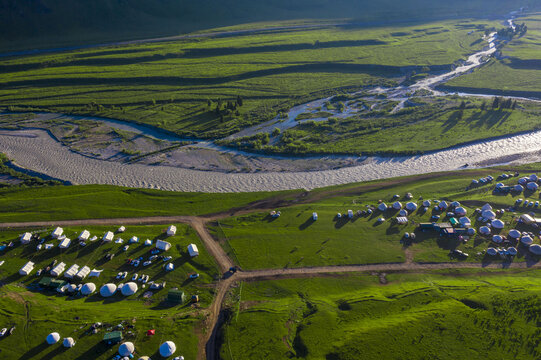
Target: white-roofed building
{"type": "Point", "coordinates": [58, 269]}
{"type": "Point", "coordinates": [171, 230]}
{"type": "Point", "coordinates": [163, 245]}
{"type": "Point", "coordinates": [26, 237]}
{"type": "Point", "coordinates": [70, 273]}
{"type": "Point", "coordinates": [27, 268]}
{"type": "Point", "coordinates": [108, 237]}
{"type": "Point", "coordinates": [64, 244]}
{"type": "Point", "coordinates": [81, 274]}
{"type": "Point", "coordinates": [192, 250]}
{"type": "Point", "coordinates": [84, 235]}
{"type": "Point", "coordinates": [57, 232]}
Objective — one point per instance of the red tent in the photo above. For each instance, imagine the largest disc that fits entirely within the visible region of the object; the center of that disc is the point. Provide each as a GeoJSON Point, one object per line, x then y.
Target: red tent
{"type": "Point", "coordinates": [151, 332]}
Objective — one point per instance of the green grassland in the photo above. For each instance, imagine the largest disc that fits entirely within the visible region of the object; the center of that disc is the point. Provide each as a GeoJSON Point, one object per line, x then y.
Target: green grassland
{"type": "Point", "coordinates": [46, 23]}
{"type": "Point", "coordinates": [37, 313]}
{"type": "Point", "coordinates": [258, 241]}
{"type": "Point", "coordinates": [448, 315]}
{"type": "Point", "coordinates": [171, 84]}
{"type": "Point", "coordinates": [103, 201]}
{"type": "Point", "coordinates": [516, 71]}
{"type": "Point", "coordinates": [427, 125]}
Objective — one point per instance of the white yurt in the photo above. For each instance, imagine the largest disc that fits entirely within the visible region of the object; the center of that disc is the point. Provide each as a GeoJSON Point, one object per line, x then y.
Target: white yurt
{"type": "Point", "coordinates": [488, 214]}
{"type": "Point", "coordinates": [512, 251]}
{"type": "Point", "coordinates": [497, 239]}
{"type": "Point", "coordinates": [126, 349]}
{"type": "Point", "coordinates": [497, 224]}
{"type": "Point", "coordinates": [491, 251]}
{"type": "Point", "coordinates": [471, 231]}
{"type": "Point", "coordinates": [455, 204]}
{"type": "Point", "coordinates": [485, 230]}
{"type": "Point", "coordinates": [108, 290]}
{"type": "Point", "coordinates": [411, 206]}
{"type": "Point", "coordinates": [382, 207]}
{"type": "Point", "coordinates": [523, 180]}
{"type": "Point", "coordinates": [518, 188]}
{"type": "Point", "coordinates": [397, 205]}
{"type": "Point", "coordinates": [68, 342]}
{"type": "Point", "coordinates": [442, 205]}
{"type": "Point", "coordinates": [402, 213]}
{"type": "Point", "coordinates": [460, 211]}
{"type": "Point", "coordinates": [88, 288]}
{"type": "Point", "coordinates": [535, 249]}
{"type": "Point", "coordinates": [53, 338]}
{"type": "Point", "coordinates": [499, 185]}
{"type": "Point", "coordinates": [426, 203]}
{"type": "Point", "coordinates": [533, 177]}
{"type": "Point", "coordinates": [515, 234]}
{"type": "Point", "coordinates": [526, 240]}
{"type": "Point", "coordinates": [167, 349]}
{"type": "Point", "coordinates": [169, 267]}
{"type": "Point", "coordinates": [464, 221]}
{"type": "Point", "coordinates": [532, 186]}
{"type": "Point", "coordinates": [486, 207]}
{"type": "Point", "coordinates": [129, 289]}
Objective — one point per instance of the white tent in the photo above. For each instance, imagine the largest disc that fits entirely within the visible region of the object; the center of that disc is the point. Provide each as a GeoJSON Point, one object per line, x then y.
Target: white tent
{"type": "Point", "coordinates": [497, 239]}
{"type": "Point", "coordinates": [411, 206]}
{"type": "Point", "coordinates": [491, 251]}
{"type": "Point", "coordinates": [64, 244]}
{"type": "Point", "coordinates": [533, 177]}
{"type": "Point", "coordinates": [84, 235]}
{"type": "Point", "coordinates": [53, 338]}
{"type": "Point", "coordinates": [527, 219]}
{"type": "Point", "coordinates": [402, 213]}
{"type": "Point", "coordinates": [68, 342]}
{"type": "Point", "coordinates": [535, 249]}
{"type": "Point", "coordinates": [485, 230]}
{"type": "Point", "coordinates": [397, 205]}
{"type": "Point", "coordinates": [486, 207]}
{"type": "Point", "coordinates": [167, 349]}
{"type": "Point", "coordinates": [108, 290]}
{"type": "Point", "coordinates": [350, 214]}
{"type": "Point", "coordinates": [314, 216]}
{"type": "Point", "coordinates": [497, 224]}
{"type": "Point", "coordinates": [512, 251]}
{"type": "Point", "coordinates": [26, 237]}
{"type": "Point", "coordinates": [57, 232]}
{"type": "Point", "coordinates": [443, 205]}
{"type": "Point", "coordinates": [83, 272]}
{"type": "Point", "coordinates": [72, 288]}
{"type": "Point", "coordinates": [464, 221]}
{"type": "Point", "coordinates": [402, 220]}
{"type": "Point", "coordinates": [460, 211]}
{"type": "Point", "coordinates": [27, 268]}
{"type": "Point", "coordinates": [532, 186]}
{"type": "Point", "coordinates": [126, 349]}
{"type": "Point", "coordinates": [169, 267]}
{"type": "Point", "coordinates": [526, 240]}
{"type": "Point", "coordinates": [382, 207]}
{"type": "Point", "coordinates": [171, 230]}
{"type": "Point", "coordinates": [515, 234]}
{"type": "Point", "coordinates": [88, 289]}
{"type": "Point", "coordinates": [108, 237]}
{"type": "Point", "coordinates": [121, 229]}
{"type": "Point", "coordinates": [471, 231]}
{"type": "Point", "coordinates": [192, 250]}
{"type": "Point", "coordinates": [129, 289]}
{"type": "Point", "coordinates": [518, 188]}
{"type": "Point", "coordinates": [426, 203]}
{"type": "Point", "coordinates": [455, 204]}
{"type": "Point", "coordinates": [488, 214]}
{"type": "Point", "coordinates": [72, 271]}
{"type": "Point", "coordinates": [163, 245]}
{"type": "Point", "coordinates": [58, 269]}
{"type": "Point", "coordinates": [148, 242]}
{"type": "Point", "coordinates": [95, 273]}
{"type": "Point", "coordinates": [523, 180]}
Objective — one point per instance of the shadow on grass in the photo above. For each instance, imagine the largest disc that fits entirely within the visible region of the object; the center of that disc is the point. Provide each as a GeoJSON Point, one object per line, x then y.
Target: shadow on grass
{"type": "Point", "coordinates": [307, 223]}
{"type": "Point", "coordinates": [35, 351]}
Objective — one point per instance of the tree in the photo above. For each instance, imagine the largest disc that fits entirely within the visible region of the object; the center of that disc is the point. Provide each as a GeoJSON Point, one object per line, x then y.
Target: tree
{"type": "Point", "coordinates": [239, 100]}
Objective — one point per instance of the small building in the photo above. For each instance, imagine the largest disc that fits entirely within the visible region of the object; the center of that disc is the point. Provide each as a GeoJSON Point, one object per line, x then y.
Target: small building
{"type": "Point", "coordinates": [171, 230]}
{"type": "Point", "coordinates": [192, 250]}
{"type": "Point", "coordinates": [71, 271]}
{"type": "Point", "coordinates": [350, 214]}
{"type": "Point", "coordinates": [428, 226]}
{"type": "Point", "coordinates": [57, 232]}
{"type": "Point", "coordinates": [26, 237]}
{"type": "Point", "coordinates": [108, 237]}
{"type": "Point", "coordinates": [58, 269]}
{"type": "Point", "coordinates": [84, 236]}
{"type": "Point", "coordinates": [121, 229]}
{"type": "Point", "coordinates": [27, 268]}
{"type": "Point", "coordinates": [176, 296]}
{"type": "Point", "coordinates": [81, 274]}
{"type": "Point", "coordinates": [64, 244]}
{"type": "Point", "coordinates": [113, 337]}
{"type": "Point", "coordinates": [314, 216]}
{"type": "Point", "coordinates": [453, 221]}
{"type": "Point", "coordinates": [45, 281]}
{"type": "Point", "coordinates": [163, 245]}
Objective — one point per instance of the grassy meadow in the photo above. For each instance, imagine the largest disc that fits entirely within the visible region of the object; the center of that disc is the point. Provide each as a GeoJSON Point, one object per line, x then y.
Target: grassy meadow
{"type": "Point", "coordinates": [178, 85]}
{"type": "Point", "coordinates": [257, 241]}
{"type": "Point", "coordinates": [446, 315]}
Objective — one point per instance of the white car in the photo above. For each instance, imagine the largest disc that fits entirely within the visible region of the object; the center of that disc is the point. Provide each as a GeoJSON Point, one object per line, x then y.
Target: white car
{"type": "Point", "coordinates": [124, 274]}
{"type": "Point", "coordinates": [178, 358]}
{"type": "Point", "coordinates": [126, 247]}
{"type": "Point", "coordinates": [167, 258]}
{"type": "Point", "coordinates": [141, 278]}
{"type": "Point", "coordinates": [3, 332]}
{"type": "Point", "coordinates": [136, 263]}
{"type": "Point", "coordinates": [147, 263]}
{"type": "Point", "coordinates": [146, 279]}
{"type": "Point", "coordinates": [153, 257]}
{"type": "Point", "coordinates": [134, 277]}
{"type": "Point", "coordinates": [119, 275]}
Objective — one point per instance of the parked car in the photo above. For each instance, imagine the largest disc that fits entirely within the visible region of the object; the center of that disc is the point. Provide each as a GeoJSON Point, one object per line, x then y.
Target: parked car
{"type": "Point", "coordinates": [136, 263]}
{"type": "Point", "coordinates": [126, 247]}
{"type": "Point", "coordinates": [119, 275]}
{"type": "Point", "coordinates": [194, 276]}
{"type": "Point", "coordinates": [134, 277]}
{"type": "Point", "coordinates": [147, 263]}
{"type": "Point", "coordinates": [167, 258]}
{"type": "Point", "coordinates": [3, 332]}
{"type": "Point", "coordinates": [124, 274]}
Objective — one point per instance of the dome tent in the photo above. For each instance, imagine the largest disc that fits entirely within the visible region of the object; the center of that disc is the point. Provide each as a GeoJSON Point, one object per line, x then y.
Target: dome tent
{"type": "Point", "coordinates": [88, 288]}
{"type": "Point", "coordinates": [442, 205]}
{"type": "Point", "coordinates": [126, 349]}
{"type": "Point", "coordinates": [471, 231]}
{"type": "Point", "coordinates": [382, 207]}
{"type": "Point", "coordinates": [108, 290]}
{"type": "Point", "coordinates": [532, 186]}
{"type": "Point", "coordinates": [535, 249]}
{"type": "Point", "coordinates": [523, 180]}
{"type": "Point", "coordinates": [68, 342]}
{"type": "Point", "coordinates": [129, 289]}
{"type": "Point", "coordinates": [53, 338]}
{"type": "Point", "coordinates": [460, 211]}
{"type": "Point", "coordinates": [497, 239]}
{"type": "Point", "coordinates": [454, 204]}
{"type": "Point", "coordinates": [485, 230]}
{"type": "Point", "coordinates": [488, 214]}
{"type": "Point", "coordinates": [403, 213]}
{"type": "Point", "coordinates": [498, 224]}
{"type": "Point", "coordinates": [397, 205]}
{"type": "Point", "coordinates": [526, 240]}
{"type": "Point", "coordinates": [167, 349]}
{"type": "Point", "coordinates": [464, 221]}
{"type": "Point", "coordinates": [533, 177]}
{"type": "Point", "coordinates": [518, 188]}
{"type": "Point", "coordinates": [486, 207]}
{"type": "Point", "coordinates": [411, 206]}
{"type": "Point", "coordinates": [426, 203]}
{"type": "Point", "coordinates": [72, 288]}
{"type": "Point", "coordinates": [515, 234]}
{"type": "Point", "coordinates": [491, 251]}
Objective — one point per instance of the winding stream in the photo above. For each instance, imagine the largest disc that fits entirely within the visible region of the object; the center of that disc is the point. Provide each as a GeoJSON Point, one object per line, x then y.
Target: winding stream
{"type": "Point", "coordinates": [37, 150]}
